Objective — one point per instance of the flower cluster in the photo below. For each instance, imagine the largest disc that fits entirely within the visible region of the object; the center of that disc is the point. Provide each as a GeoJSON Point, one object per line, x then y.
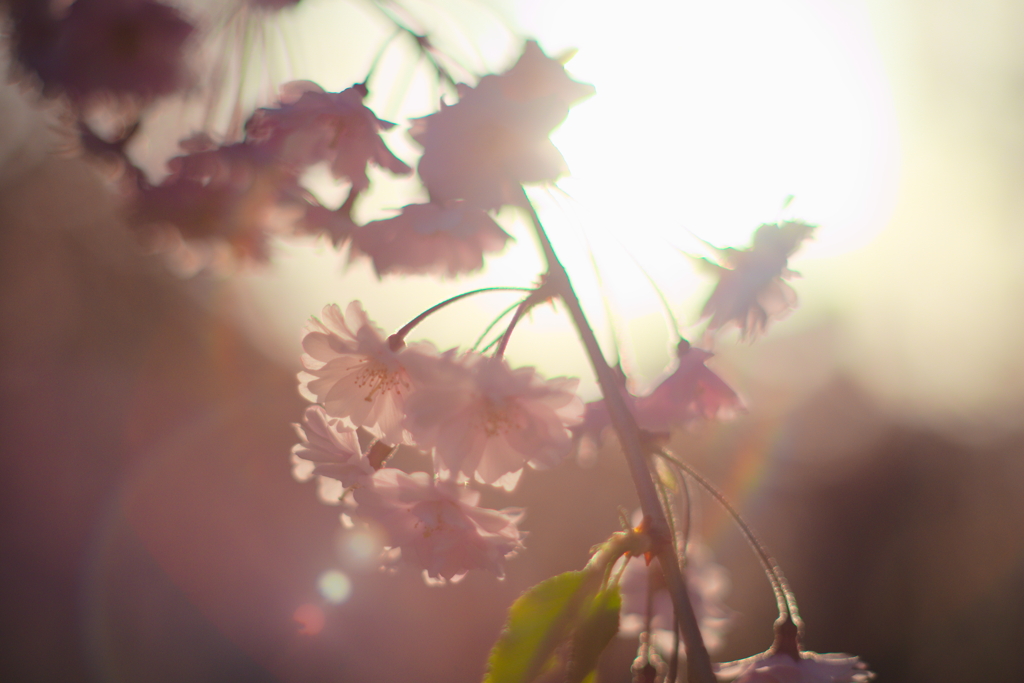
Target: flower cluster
{"type": "Point", "coordinates": [477, 153]}
{"type": "Point", "coordinates": [241, 193]}
{"type": "Point", "coordinates": [229, 196]}
{"type": "Point", "coordinates": [480, 419]}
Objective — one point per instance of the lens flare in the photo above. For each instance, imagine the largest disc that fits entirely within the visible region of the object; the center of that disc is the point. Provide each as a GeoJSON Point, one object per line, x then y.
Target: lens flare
{"type": "Point", "coordinates": [360, 548]}
{"type": "Point", "coordinates": [335, 586]}
{"type": "Point", "coordinates": [310, 618]}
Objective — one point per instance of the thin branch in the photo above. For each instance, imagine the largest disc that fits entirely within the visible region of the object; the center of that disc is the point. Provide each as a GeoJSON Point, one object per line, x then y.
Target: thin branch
{"type": "Point", "coordinates": [698, 661]}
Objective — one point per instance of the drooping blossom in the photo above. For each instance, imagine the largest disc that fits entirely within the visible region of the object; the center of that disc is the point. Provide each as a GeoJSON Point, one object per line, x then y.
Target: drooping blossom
{"type": "Point", "coordinates": [785, 662]}
{"type": "Point", "coordinates": [437, 525]}
{"type": "Point", "coordinates": [708, 584]}
{"type": "Point", "coordinates": [690, 393]}
{"type": "Point", "coordinates": [487, 421]}
{"type": "Point", "coordinates": [310, 125]}
{"type": "Point", "coordinates": [811, 667]}
{"type": "Point", "coordinates": [329, 450]}
{"type": "Point", "coordinates": [234, 194]}
{"type": "Point", "coordinates": [116, 47]}
{"type": "Point", "coordinates": [750, 287]}
{"type": "Point", "coordinates": [436, 239]}
{"type": "Point", "coordinates": [356, 372]}
{"type": "Point", "coordinates": [496, 136]}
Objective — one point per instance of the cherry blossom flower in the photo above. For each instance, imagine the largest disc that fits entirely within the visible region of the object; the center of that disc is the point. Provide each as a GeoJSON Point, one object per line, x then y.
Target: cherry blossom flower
{"type": "Point", "coordinates": [120, 47]}
{"type": "Point", "coordinates": [354, 371]}
{"type": "Point", "coordinates": [311, 125]}
{"type": "Point", "coordinates": [750, 287]}
{"type": "Point", "coordinates": [431, 239]}
{"type": "Point", "coordinates": [708, 585]}
{"type": "Point", "coordinates": [690, 393]}
{"type": "Point", "coordinates": [495, 138]}
{"type": "Point", "coordinates": [811, 667]}
{"type": "Point", "coordinates": [235, 194]}
{"type": "Point", "coordinates": [784, 662]}
{"type": "Point", "coordinates": [438, 526]}
{"type": "Point", "coordinates": [329, 450]}
{"type": "Point", "coordinates": [487, 421]}
{"type": "Point", "coordinates": [319, 220]}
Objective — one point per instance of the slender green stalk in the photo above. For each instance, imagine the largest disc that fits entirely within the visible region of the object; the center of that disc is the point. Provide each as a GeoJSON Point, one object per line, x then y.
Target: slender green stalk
{"type": "Point", "coordinates": [494, 322]}
{"type": "Point", "coordinates": [520, 310]}
{"type": "Point", "coordinates": [665, 306]}
{"type": "Point", "coordinates": [698, 661]}
{"type": "Point", "coordinates": [783, 595]}
{"type": "Point", "coordinates": [407, 328]}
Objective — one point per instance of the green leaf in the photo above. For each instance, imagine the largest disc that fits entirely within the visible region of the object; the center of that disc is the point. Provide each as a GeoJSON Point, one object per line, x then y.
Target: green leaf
{"type": "Point", "coordinates": [538, 622]}
{"type": "Point", "coordinates": [597, 626]}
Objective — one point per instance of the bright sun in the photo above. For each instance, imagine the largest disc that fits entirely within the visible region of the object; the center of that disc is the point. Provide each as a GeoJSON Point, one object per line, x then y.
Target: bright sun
{"type": "Point", "coordinates": [708, 117]}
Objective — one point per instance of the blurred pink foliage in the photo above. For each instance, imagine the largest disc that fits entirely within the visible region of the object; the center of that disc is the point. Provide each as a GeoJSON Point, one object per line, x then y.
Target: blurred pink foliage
{"type": "Point", "coordinates": [431, 239]}
{"type": "Point", "coordinates": [495, 138]}
{"type": "Point", "coordinates": [438, 525]}
{"type": "Point", "coordinates": [751, 287]}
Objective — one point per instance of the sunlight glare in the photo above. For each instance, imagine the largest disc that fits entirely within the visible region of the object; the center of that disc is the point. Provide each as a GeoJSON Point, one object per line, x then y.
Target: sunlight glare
{"type": "Point", "coordinates": [708, 116]}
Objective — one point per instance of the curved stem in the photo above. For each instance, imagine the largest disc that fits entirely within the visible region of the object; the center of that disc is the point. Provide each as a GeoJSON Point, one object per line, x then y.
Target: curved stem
{"type": "Point", "coordinates": [698, 661]}
{"type": "Point", "coordinates": [520, 310]}
{"type": "Point", "coordinates": [783, 595]}
{"type": "Point", "coordinates": [407, 328]}
{"type": "Point", "coordinates": [494, 322]}
{"type": "Point", "coordinates": [658, 291]}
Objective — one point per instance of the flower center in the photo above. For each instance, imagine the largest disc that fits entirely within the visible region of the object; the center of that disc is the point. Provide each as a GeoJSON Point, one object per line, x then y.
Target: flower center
{"type": "Point", "coordinates": [376, 376]}
{"type": "Point", "coordinates": [500, 418]}
{"type": "Point", "coordinates": [431, 517]}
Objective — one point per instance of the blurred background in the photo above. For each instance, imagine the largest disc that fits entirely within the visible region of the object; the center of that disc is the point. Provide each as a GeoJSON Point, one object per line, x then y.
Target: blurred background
{"type": "Point", "coordinates": [151, 529]}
